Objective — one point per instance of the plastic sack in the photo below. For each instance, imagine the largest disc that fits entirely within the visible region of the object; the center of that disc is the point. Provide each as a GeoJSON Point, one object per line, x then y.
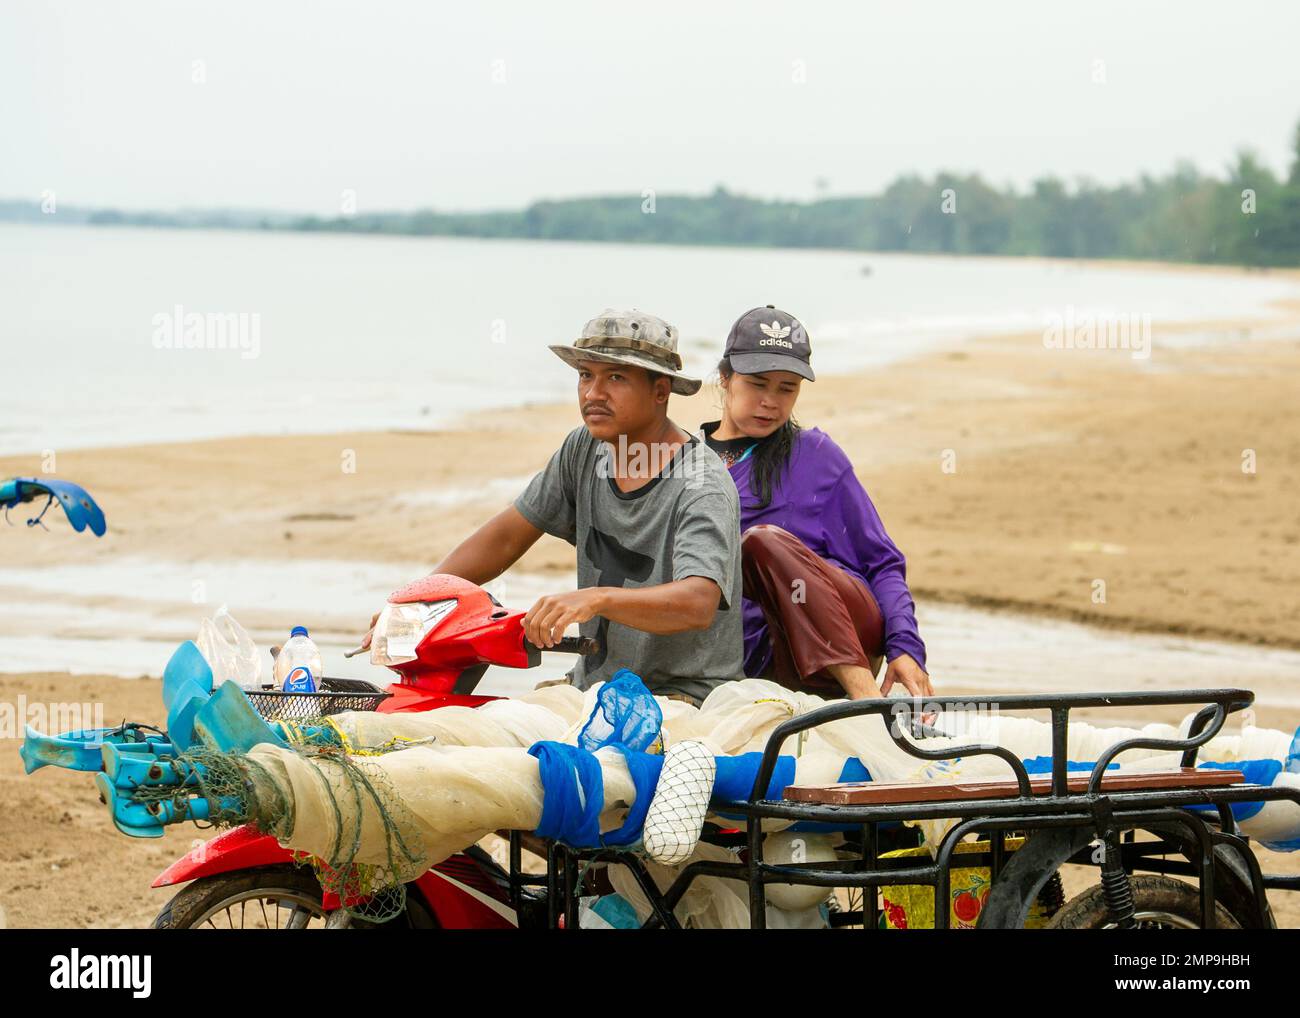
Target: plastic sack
{"type": "Point", "coordinates": [710, 903]}
{"type": "Point", "coordinates": [625, 715]}
{"type": "Point", "coordinates": [911, 906]}
{"type": "Point", "coordinates": [230, 651]}
{"type": "Point", "coordinates": [518, 722]}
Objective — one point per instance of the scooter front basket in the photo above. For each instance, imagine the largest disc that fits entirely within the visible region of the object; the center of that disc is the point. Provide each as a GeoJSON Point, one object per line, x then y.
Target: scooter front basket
{"type": "Point", "coordinates": [335, 697]}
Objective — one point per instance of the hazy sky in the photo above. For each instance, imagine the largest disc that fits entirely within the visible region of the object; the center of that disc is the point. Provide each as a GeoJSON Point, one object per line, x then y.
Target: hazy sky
{"type": "Point", "coordinates": [490, 105]}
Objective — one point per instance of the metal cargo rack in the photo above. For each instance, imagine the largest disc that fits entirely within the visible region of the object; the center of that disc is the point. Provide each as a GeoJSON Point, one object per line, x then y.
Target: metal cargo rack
{"type": "Point", "coordinates": [1061, 816]}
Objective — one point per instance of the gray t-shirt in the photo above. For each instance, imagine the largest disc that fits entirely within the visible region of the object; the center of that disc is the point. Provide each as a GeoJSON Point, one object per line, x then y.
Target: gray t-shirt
{"type": "Point", "coordinates": [684, 522]}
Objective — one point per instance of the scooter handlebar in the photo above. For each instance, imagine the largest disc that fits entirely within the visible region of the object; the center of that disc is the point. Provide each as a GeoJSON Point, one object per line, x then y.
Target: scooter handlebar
{"type": "Point", "coordinates": [583, 645]}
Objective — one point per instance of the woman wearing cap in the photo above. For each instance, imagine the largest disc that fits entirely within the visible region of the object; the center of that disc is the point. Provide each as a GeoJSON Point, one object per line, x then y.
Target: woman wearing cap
{"type": "Point", "coordinates": [825, 588]}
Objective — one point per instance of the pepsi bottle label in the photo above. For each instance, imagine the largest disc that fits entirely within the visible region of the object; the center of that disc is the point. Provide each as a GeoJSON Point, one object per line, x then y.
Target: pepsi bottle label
{"type": "Point", "coordinates": [299, 681]}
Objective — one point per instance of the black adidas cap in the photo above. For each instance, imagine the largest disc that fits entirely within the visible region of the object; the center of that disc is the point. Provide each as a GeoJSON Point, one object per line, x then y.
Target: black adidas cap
{"type": "Point", "coordinates": [767, 339]}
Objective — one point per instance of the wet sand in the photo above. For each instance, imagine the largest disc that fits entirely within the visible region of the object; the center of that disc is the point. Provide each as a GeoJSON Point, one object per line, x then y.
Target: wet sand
{"type": "Point", "coordinates": [1011, 475]}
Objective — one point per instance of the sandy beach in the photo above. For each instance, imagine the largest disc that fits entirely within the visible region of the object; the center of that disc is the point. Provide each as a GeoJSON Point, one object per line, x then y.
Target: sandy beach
{"type": "Point", "coordinates": [1012, 476]}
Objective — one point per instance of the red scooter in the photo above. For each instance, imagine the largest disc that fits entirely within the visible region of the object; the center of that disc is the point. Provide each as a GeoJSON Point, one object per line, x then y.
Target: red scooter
{"type": "Point", "coordinates": [439, 635]}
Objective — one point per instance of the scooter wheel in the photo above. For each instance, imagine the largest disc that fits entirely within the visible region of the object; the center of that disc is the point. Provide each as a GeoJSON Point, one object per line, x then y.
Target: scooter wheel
{"type": "Point", "coordinates": [269, 897]}
{"type": "Point", "coordinates": [1160, 903]}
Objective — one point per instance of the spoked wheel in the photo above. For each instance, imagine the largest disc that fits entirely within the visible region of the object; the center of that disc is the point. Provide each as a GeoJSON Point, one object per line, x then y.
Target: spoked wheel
{"type": "Point", "coordinates": [1161, 903]}
{"type": "Point", "coordinates": [270, 898]}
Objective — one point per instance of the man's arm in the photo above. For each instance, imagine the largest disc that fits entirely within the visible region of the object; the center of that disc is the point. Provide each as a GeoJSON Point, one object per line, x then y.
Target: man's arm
{"type": "Point", "coordinates": [666, 608]}
{"type": "Point", "coordinates": [492, 549]}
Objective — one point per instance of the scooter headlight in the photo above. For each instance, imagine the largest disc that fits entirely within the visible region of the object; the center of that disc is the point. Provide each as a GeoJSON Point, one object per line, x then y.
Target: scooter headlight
{"type": "Point", "coordinates": [401, 627]}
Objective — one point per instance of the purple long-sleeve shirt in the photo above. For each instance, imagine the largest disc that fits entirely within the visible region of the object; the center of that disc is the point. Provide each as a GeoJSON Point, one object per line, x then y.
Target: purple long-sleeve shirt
{"type": "Point", "coordinates": [819, 500]}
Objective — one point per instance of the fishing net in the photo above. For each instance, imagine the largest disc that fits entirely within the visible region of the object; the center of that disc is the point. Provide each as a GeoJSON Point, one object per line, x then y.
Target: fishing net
{"type": "Point", "coordinates": [681, 801]}
{"type": "Point", "coordinates": [536, 716]}
{"type": "Point", "coordinates": [356, 792]}
{"type": "Point", "coordinates": [372, 823]}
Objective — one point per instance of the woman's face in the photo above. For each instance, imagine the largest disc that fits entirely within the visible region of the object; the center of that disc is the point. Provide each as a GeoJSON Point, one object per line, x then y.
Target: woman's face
{"type": "Point", "coordinates": [759, 404]}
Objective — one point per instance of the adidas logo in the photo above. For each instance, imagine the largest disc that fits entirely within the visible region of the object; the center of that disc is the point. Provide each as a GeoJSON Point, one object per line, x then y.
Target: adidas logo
{"type": "Point", "coordinates": [776, 331]}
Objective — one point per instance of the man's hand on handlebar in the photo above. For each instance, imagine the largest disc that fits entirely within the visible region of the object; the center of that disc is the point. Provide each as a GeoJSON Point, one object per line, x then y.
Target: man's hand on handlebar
{"type": "Point", "coordinates": [546, 621]}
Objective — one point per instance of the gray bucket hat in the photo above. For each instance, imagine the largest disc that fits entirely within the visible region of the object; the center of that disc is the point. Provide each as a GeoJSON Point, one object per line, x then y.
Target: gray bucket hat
{"type": "Point", "coordinates": [630, 337]}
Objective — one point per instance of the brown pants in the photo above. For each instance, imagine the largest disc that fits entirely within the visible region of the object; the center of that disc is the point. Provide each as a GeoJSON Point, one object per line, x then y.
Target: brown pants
{"type": "Point", "coordinates": [816, 613]}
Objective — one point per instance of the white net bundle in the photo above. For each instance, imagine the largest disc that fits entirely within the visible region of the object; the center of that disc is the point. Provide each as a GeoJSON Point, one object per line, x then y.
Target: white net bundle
{"type": "Point", "coordinates": [681, 800]}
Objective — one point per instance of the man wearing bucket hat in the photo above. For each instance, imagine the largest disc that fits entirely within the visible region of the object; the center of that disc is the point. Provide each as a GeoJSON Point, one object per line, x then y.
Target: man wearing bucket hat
{"type": "Point", "coordinates": [650, 509]}
{"type": "Point", "coordinates": [632, 338]}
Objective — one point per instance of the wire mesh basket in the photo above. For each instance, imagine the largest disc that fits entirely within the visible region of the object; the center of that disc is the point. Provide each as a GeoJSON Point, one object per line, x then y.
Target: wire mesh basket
{"type": "Point", "coordinates": [334, 697]}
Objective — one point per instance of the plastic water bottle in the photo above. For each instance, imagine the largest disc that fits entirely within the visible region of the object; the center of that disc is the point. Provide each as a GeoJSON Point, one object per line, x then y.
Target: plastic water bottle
{"type": "Point", "coordinates": [298, 665]}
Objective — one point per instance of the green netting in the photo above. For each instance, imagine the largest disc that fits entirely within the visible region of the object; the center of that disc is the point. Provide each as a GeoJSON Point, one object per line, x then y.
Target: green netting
{"type": "Point", "coordinates": [241, 790]}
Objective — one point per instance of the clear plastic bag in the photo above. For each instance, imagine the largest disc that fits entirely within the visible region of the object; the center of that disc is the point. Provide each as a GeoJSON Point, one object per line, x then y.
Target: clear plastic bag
{"type": "Point", "coordinates": [230, 651]}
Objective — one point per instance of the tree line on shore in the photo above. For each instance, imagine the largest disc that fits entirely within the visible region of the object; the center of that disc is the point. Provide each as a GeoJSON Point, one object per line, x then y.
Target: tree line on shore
{"type": "Point", "coordinates": [1247, 216]}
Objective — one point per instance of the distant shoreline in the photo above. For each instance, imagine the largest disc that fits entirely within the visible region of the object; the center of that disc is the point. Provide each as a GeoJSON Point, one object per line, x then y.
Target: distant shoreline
{"type": "Point", "coordinates": [1247, 220]}
{"type": "Point", "coordinates": [1116, 263]}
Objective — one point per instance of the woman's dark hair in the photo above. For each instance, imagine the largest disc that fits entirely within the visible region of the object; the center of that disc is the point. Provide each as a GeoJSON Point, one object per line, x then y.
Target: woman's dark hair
{"type": "Point", "coordinates": [771, 455]}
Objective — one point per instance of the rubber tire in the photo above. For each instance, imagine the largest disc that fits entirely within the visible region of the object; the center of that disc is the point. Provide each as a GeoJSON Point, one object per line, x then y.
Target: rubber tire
{"type": "Point", "coordinates": [191, 902]}
{"type": "Point", "coordinates": [1088, 911]}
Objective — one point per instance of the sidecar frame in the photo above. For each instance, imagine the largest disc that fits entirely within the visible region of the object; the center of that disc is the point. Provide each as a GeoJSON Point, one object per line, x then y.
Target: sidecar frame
{"type": "Point", "coordinates": [1087, 823]}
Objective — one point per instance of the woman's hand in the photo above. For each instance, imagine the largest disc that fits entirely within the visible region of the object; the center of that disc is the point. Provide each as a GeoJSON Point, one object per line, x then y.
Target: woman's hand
{"type": "Point", "coordinates": [913, 677]}
{"type": "Point", "coordinates": [365, 642]}
{"type": "Point", "coordinates": [546, 621]}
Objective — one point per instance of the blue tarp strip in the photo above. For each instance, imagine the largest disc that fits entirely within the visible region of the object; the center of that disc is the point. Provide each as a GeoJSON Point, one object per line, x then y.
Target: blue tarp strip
{"type": "Point", "coordinates": [574, 794]}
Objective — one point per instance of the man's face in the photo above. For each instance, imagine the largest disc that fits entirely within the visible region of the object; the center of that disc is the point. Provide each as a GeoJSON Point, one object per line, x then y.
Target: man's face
{"type": "Point", "coordinates": [618, 399]}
